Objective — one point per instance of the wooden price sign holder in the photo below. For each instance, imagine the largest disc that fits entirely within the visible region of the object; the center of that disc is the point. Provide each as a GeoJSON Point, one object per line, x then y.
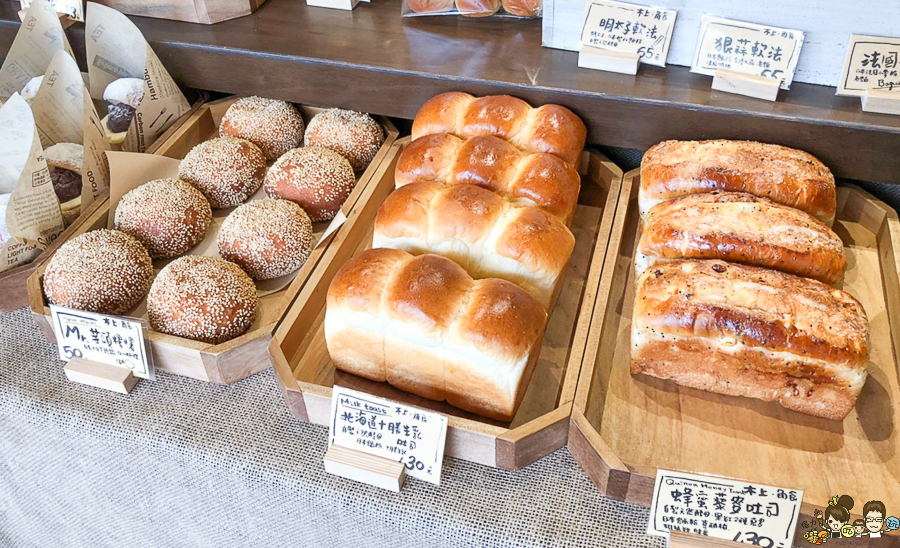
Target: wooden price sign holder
{"type": "Point", "coordinates": [100, 375]}
{"type": "Point", "coordinates": [608, 60]}
{"type": "Point", "coordinates": [365, 468]}
{"type": "Point", "coordinates": [678, 539]}
{"type": "Point", "coordinates": [732, 81]}
{"type": "Point", "coordinates": [881, 101]}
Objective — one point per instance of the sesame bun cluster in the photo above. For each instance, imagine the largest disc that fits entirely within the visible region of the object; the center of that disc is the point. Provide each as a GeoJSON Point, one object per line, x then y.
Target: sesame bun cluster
{"type": "Point", "coordinates": [227, 170]}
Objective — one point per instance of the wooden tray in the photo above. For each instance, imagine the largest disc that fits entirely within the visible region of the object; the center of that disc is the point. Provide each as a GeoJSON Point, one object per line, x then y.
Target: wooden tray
{"type": "Point", "coordinates": [192, 11]}
{"type": "Point", "coordinates": [623, 427]}
{"type": "Point", "coordinates": [306, 373]}
{"type": "Point", "coordinates": [243, 356]}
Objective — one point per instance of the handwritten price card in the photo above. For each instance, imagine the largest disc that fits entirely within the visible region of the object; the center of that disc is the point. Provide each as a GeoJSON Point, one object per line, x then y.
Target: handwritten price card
{"type": "Point", "coordinates": [871, 63]}
{"type": "Point", "coordinates": [749, 48]}
{"type": "Point", "coordinates": [391, 430]}
{"type": "Point", "coordinates": [755, 514]}
{"type": "Point", "coordinates": [628, 28]}
{"type": "Point", "coordinates": [112, 340]}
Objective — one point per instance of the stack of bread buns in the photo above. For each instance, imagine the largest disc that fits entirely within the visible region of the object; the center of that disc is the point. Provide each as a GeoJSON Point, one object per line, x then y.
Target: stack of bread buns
{"type": "Point", "coordinates": [737, 269]}
{"type": "Point", "coordinates": [470, 252]}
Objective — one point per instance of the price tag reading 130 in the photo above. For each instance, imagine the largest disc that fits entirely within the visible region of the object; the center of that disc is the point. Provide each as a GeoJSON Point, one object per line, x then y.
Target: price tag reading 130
{"type": "Point", "coordinates": [759, 515]}
{"type": "Point", "coordinates": [391, 430]}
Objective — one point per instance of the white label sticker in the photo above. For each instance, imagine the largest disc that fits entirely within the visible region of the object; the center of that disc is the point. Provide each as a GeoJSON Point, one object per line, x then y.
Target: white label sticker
{"type": "Point", "coordinates": [113, 340]}
{"type": "Point", "coordinates": [749, 48]}
{"type": "Point", "coordinates": [391, 430]}
{"type": "Point", "coordinates": [872, 62]}
{"type": "Point", "coordinates": [728, 509]}
{"type": "Point", "coordinates": [628, 28]}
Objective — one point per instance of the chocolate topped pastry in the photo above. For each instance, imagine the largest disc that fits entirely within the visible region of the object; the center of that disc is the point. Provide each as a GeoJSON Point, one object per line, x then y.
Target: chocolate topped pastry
{"type": "Point", "coordinates": [65, 163]}
{"type": "Point", "coordinates": [123, 95]}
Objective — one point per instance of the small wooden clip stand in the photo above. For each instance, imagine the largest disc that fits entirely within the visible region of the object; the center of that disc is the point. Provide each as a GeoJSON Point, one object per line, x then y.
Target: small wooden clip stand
{"type": "Point", "coordinates": [608, 60]}
{"type": "Point", "coordinates": [358, 466]}
{"type": "Point", "coordinates": [334, 4]}
{"type": "Point", "coordinates": [100, 375]}
{"type": "Point", "coordinates": [881, 101]}
{"type": "Point", "coordinates": [760, 87]}
{"type": "Point", "coordinates": [678, 539]}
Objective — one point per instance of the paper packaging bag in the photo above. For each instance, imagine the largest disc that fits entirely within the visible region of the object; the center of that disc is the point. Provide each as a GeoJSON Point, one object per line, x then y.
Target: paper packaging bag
{"type": "Point", "coordinates": [33, 218]}
{"type": "Point", "coordinates": [64, 113]}
{"type": "Point", "coordinates": [39, 38]}
{"type": "Point", "coordinates": [117, 49]}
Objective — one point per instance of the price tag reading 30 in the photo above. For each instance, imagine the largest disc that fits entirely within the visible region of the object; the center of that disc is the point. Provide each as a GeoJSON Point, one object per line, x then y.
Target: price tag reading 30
{"type": "Point", "coordinates": [760, 515]}
{"type": "Point", "coordinates": [112, 340]}
{"type": "Point", "coordinates": [391, 430]}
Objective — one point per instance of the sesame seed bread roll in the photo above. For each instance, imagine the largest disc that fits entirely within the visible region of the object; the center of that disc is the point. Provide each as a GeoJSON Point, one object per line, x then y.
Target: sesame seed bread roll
{"type": "Point", "coordinates": [317, 179]}
{"type": "Point", "coordinates": [202, 298]}
{"type": "Point", "coordinates": [274, 126]}
{"type": "Point", "coordinates": [741, 228]}
{"type": "Point", "coordinates": [353, 135]}
{"type": "Point", "coordinates": [267, 238]}
{"type": "Point", "coordinates": [227, 170]}
{"type": "Point", "coordinates": [746, 331]}
{"type": "Point", "coordinates": [168, 216]}
{"type": "Point", "coordinates": [103, 271]}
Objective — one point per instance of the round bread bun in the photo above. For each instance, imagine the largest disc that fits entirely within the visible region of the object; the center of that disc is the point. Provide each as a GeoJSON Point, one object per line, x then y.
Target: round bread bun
{"type": "Point", "coordinates": [103, 271]}
{"type": "Point", "coordinates": [267, 238]}
{"type": "Point", "coordinates": [353, 135]}
{"type": "Point", "coordinates": [524, 8]}
{"type": "Point", "coordinates": [128, 91]}
{"type": "Point", "coordinates": [66, 156]}
{"type": "Point", "coordinates": [167, 216]}
{"type": "Point", "coordinates": [477, 8]}
{"type": "Point", "coordinates": [430, 6]}
{"type": "Point", "coordinates": [227, 170]}
{"type": "Point", "coordinates": [274, 126]}
{"type": "Point", "coordinates": [202, 298]}
{"type": "Point", "coordinates": [317, 179]}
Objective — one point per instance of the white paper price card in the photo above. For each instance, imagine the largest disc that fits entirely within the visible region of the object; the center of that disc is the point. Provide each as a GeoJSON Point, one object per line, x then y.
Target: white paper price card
{"type": "Point", "coordinates": [113, 340]}
{"type": "Point", "coordinates": [728, 509]}
{"type": "Point", "coordinates": [70, 8]}
{"type": "Point", "coordinates": [391, 430]}
{"type": "Point", "coordinates": [628, 28]}
{"type": "Point", "coordinates": [749, 48]}
{"type": "Point", "coordinates": [872, 62]}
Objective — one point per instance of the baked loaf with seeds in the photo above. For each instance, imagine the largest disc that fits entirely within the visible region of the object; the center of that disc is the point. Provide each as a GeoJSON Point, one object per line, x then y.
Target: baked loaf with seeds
{"type": "Point", "coordinates": [551, 128]}
{"type": "Point", "coordinates": [317, 179]}
{"type": "Point", "coordinates": [538, 179]}
{"type": "Point", "coordinates": [168, 216]}
{"type": "Point", "coordinates": [353, 135]}
{"type": "Point", "coordinates": [747, 331]}
{"type": "Point", "coordinates": [267, 238]}
{"type": "Point", "coordinates": [103, 271]}
{"type": "Point", "coordinates": [202, 298]}
{"type": "Point", "coordinates": [227, 170]}
{"type": "Point", "coordinates": [274, 126]}
{"type": "Point", "coordinates": [480, 231]}
{"type": "Point", "coordinates": [425, 326]}
{"type": "Point", "coordinates": [785, 175]}
{"type": "Point", "coordinates": [742, 228]}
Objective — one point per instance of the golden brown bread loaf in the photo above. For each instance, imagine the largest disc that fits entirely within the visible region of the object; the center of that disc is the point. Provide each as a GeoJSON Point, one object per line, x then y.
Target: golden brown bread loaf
{"type": "Point", "coordinates": [539, 179]}
{"type": "Point", "coordinates": [425, 326]}
{"type": "Point", "coordinates": [747, 331]}
{"type": "Point", "coordinates": [551, 128]}
{"type": "Point", "coordinates": [480, 231]}
{"type": "Point", "coordinates": [524, 8]}
{"type": "Point", "coordinates": [742, 228]}
{"type": "Point", "coordinates": [788, 176]}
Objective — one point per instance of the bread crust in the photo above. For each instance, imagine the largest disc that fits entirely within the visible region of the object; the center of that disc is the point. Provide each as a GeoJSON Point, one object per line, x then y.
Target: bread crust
{"type": "Point", "coordinates": [788, 176]}
{"type": "Point", "coordinates": [740, 227]}
{"type": "Point", "coordinates": [742, 330]}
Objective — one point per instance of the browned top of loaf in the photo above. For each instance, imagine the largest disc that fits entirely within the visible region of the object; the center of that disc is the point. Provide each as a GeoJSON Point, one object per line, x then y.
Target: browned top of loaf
{"type": "Point", "coordinates": [227, 170]}
{"type": "Point", "coordinates": [760, 308]}
{"type": "Point", "coordinates": [104, 271]}
{"type": "Point", "coordinates": [498, 115]}
{"type": "Point", "coordinates": [274, 126]}
{"type": "Point", "coordinates": [354, 135]}
{"type": "Point", "coordinates": [744, 228]}
{"type": "Point", "coordinates": [427, 291]}
{"type": "Point", "coordinates": [785, 175]}
{"type": "Point", "coordinates": [361, 281]}
{"type": "Point", "coordinates": [441, 114]}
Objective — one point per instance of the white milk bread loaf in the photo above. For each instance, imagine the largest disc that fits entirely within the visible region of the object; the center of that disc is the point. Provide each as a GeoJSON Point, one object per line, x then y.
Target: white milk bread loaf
{"type": "Point", "coordinates": [425, 326]}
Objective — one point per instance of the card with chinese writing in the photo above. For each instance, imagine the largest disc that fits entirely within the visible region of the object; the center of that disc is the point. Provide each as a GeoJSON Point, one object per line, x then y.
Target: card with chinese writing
{"type": "Point", "coordinates": [628, 28]}
{"type": "Point", "coordinates": [760, 50]}
{"type": "Point", "coordinates": [871, 63]}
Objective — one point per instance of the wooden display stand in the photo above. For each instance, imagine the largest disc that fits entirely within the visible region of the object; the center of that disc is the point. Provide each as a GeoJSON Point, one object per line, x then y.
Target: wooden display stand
{"type": "Point", "coordinates": [677, 539]}
{"type": "Point", "coordinates": [101, 375]}
{"type": "Point", "coordinates": [881, 101]}
{"type": "Point", "coordinates": [608, 60]}
{"type": "Point", "coordinates": [760, 87]}
{"type": "Point", "coordinates": [362, 467]}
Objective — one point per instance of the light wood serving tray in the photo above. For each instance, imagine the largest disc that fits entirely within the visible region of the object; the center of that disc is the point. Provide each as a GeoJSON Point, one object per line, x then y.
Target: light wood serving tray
{"type": "Point", "coordinates": [624, 427]}
{"type": "Point", "coordinates": [306, 373]}
{"type": "Point", "coordinates": [243, 356]}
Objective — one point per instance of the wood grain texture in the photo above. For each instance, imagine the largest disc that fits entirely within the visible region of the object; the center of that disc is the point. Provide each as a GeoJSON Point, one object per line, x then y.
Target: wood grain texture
{"type": "Point", "coordinates": [540, 426]}
{"type": "Point", "coordinates": [336, 58]}
{"type": "Point", "coordinates": [635, 424]}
